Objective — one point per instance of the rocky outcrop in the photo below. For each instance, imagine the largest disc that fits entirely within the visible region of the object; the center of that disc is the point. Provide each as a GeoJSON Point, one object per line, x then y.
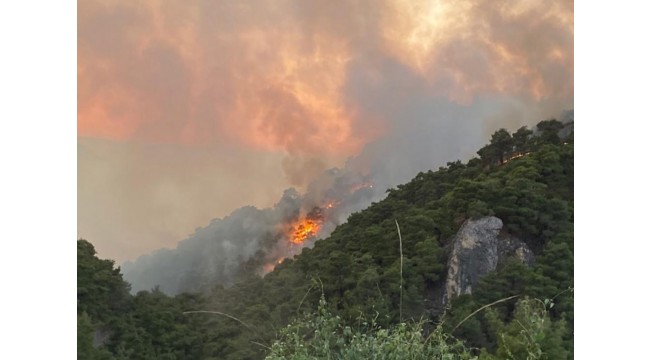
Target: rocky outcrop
{"type": "Point", "coordinates": [474, 254]}
{"type": "Point", "coordinates": [477, 249]}
{"type": "Point", "coordinates": [509, 247]}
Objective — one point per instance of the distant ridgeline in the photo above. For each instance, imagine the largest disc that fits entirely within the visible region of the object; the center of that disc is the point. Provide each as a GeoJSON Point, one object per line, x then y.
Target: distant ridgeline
{"type": "Point", "coordinates": [497, 230]}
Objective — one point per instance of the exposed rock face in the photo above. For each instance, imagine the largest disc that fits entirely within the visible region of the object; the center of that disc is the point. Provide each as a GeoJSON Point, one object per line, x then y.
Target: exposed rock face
{"type": "Point", "coordinates": [477, 249]}
{"type": "Point", "coordinates": [474, 254]}
{"type": "Point", "coordinates": [511, 247]}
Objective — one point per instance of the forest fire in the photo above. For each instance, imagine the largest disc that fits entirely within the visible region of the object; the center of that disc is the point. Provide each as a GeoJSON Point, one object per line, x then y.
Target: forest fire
{"type": "Point", "coordinates": [515, 157]}
{"type": "Point", "coordinates": [300, 230]}
{"type": "Point", "coordinates": [297, 233]}
{"type": "Point", "coordinates": [307, 227]}
{"type": "Point", "coordinates": [304, 229]}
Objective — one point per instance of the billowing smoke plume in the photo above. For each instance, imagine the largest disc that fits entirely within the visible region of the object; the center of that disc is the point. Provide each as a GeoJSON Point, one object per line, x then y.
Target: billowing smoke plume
{"type": "Point", "coordinates": [250, 240]}
{"type": "Point", "coordinates": [316, 80]}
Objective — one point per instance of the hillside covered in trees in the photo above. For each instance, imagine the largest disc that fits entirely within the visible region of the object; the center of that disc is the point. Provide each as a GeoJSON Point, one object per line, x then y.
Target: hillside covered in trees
{"type": "Point", "coordinates": [349, 284]}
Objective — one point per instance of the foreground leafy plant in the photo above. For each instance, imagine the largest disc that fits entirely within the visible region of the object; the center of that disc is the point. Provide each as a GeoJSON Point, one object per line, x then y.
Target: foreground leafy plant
{"type": "Point", "coordinates": [324, 336]}
{"type": "Point", "coordinates": [530, 335]}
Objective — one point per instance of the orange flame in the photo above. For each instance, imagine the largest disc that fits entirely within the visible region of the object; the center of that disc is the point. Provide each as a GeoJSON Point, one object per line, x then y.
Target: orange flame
{"type": "Point", "coordinates": [308, 226]}
{"type": "Point", "coordinates": [304, 229]}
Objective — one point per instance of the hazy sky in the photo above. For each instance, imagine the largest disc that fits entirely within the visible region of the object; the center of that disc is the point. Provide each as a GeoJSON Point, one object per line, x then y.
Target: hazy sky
{"type": "Point", "coordinates": [190, 109]}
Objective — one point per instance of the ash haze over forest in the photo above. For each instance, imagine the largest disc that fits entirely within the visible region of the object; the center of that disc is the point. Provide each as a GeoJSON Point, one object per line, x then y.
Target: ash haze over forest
{"type": "Point", "coordinates": [189, 110]}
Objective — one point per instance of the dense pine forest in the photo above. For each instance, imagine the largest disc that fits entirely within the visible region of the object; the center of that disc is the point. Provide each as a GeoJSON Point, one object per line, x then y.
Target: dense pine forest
{"type": "Point", "coordinates": [354, 296]}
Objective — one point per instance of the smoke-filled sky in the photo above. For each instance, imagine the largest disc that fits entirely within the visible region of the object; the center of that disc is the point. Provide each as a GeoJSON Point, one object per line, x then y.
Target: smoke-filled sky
{"type": "Point", "coordinates": [188, 110]}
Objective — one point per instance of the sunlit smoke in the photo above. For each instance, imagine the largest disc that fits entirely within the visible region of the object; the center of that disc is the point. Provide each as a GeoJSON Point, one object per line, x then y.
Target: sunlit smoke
{"type": "Point", "coordinates": [273, 75]}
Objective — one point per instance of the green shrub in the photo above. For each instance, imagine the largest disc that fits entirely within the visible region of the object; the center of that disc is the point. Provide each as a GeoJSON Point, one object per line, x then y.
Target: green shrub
{"type": "Point", "coordinates": [325, 336]}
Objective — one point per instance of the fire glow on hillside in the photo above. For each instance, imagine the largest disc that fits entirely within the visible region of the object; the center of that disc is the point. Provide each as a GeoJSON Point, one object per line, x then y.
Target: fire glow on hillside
{"type": "Point", "coordinates": [306, 227]}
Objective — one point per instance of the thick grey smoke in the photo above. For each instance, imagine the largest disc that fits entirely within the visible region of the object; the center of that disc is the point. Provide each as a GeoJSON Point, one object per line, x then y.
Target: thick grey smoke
{"type": "Point", "coordinates": [249, 240]}
{"type": "Point", "coordinates": [213, 254]}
